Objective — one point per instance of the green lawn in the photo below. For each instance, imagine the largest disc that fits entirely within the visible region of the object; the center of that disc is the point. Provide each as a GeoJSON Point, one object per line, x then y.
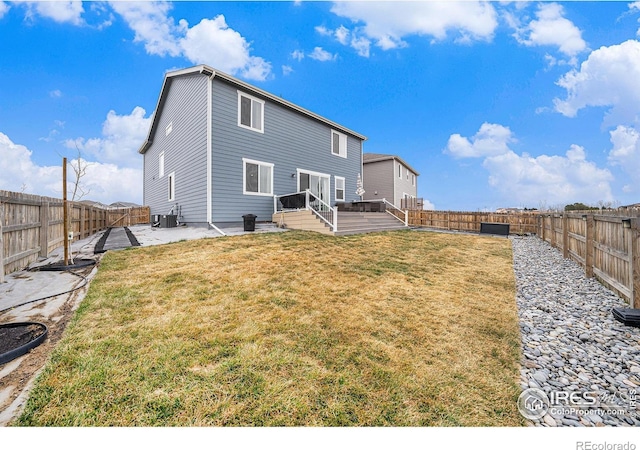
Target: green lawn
{"type": "Point", "coordinates": [385, 329]}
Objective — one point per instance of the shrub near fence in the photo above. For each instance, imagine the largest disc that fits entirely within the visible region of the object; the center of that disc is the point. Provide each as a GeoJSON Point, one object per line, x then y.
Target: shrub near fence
{"type": "Point", "coordinates": [607, 246]}
{"type": "Point", "coordinates": [32, 226]}
{"type": "Point", "coordinates": [519, 223]}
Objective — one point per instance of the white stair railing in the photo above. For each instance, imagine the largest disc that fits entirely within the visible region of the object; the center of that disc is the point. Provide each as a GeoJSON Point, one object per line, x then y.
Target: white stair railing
{"type": "Point", "coordinates": [405, 213]}
{"type": "Point", "coordinates": [312, 202]}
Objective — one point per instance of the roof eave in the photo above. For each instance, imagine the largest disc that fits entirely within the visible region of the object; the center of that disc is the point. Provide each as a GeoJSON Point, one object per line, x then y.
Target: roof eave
{"type": "Point", "coordinates": [389, 158]}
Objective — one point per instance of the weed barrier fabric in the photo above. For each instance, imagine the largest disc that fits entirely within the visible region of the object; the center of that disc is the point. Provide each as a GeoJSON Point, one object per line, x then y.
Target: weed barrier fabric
{"type": "Point", "coordinates": [18, 338]}
{"type": "Point", "coordinates": [61, 266]}
{"type": "Point", "coordinates": [103, 240]}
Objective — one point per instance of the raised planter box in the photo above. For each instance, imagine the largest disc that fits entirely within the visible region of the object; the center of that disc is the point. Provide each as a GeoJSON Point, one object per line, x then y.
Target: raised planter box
{"type": "Point", "coordinates": [500, 229]}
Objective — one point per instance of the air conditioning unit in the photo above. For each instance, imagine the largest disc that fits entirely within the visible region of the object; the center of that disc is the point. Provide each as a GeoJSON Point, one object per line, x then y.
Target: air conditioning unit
{"type": "Point", "coordinates": [168, 221]}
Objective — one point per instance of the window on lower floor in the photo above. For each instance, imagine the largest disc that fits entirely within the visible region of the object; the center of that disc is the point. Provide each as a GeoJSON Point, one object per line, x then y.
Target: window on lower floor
{"type": "Point", "coordinates": [339, 194]}
{"type": "Point", "coordinates": [172, 186]}
{"type": "Point", "coordinates": [161, 165]}
{"type": "Point", "coordinates": [257, 177]}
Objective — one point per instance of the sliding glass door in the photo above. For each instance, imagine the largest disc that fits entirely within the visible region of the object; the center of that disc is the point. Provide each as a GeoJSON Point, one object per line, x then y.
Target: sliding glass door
{"type": "Point", "coordinates": [317, 183]}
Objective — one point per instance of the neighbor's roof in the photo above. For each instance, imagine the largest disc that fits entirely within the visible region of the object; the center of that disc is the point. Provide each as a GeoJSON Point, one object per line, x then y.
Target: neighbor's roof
{"type": "Point", "coordinates": [375, 157]}
{"type": "Point", "coordinates": [213, 73]}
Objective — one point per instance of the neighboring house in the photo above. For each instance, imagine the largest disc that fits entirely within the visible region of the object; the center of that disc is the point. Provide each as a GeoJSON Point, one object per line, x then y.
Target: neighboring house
{"type": "Point", "coordinates": [219, 148]}
{"type": "Point", "coordinates": [388, 177]}
{"type": "Point", "coordinates": [509, 210]}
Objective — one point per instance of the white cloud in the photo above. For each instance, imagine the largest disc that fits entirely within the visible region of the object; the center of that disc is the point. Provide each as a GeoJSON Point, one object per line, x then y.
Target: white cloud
{"type": "Point", "coordinates": [211, 41]}
{"type": "Point", "coordinates": [551, 28]}
{"type": "Point", "coordinates": [426, 204]}
{"type": "Point", "coordinates": [362, 45]}
{"type": "Point", "coordinates": [491, 139]}
{"type": "Point", "coordinates": [387, 23]}
{"type": "Point", "coordinates": [626, 152]}
{"type": "Point", "coordinates": [342, 34]}
{"type": "Point", "coordinates": [287, 70]}
{"type": "Point", "coordinates": [152, 25]}
{"type": "Point", "coordinates": [4, 8]}
{"type": "Point", "coordinates": [355, 38]}
{"type": "Point", "coordinates": [523, 179]}
{"type": "Point", "coordinates": [633, 8]}
{"type": "Point", "coordinates": [60, 11]}
{"type": "Point", "coordinates": [107, 182]}
{"type": "Point", "coordinates": [55, 93]}
{"type": "Point", "coordinates": [297, 54]}
{"type": "Point", "coordinates": [609, 77]}
{"type": "Point", "coordinates": [320, 54]}
{"type": "Point", "coordinates": [122, 137]}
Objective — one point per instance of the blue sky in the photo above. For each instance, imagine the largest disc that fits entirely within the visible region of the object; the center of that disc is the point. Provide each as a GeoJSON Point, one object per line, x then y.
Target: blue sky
{"type": "Point", "coordinates": [496, 104]}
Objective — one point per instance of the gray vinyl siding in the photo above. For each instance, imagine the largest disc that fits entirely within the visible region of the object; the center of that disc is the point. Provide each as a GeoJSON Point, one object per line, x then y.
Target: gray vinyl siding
{"type": "Point", "coordinates": [290, 141]}
{"type": "Point", "coordinates": [378, 176]}
{"type": "Point", "coordinates": [402, 185]}
{"type": "Point", "coordinates": [185, 151]}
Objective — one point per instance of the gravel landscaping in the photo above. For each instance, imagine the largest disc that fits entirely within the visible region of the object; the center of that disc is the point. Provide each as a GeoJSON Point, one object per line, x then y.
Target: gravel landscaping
{"type": "Point", "coordinates": [571, 342]}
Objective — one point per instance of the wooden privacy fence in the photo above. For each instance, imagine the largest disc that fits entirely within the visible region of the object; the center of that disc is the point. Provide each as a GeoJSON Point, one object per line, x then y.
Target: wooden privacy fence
{"type": "Point", "coordinates": [519, 223]}
{"type": "Point", "coordinates": [32, 226]}
{"type": "Point", "coordinates": [607, 246]}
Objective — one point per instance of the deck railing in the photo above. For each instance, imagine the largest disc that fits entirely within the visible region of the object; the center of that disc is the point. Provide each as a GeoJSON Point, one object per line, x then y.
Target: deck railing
{"type": "Point", "coordinates": [309, 201]}
{"type": "Point", "coordinates": [402, 216]}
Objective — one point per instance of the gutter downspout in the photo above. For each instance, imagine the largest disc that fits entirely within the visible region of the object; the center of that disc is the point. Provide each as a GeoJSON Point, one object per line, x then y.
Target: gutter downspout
{"type": "Point", "coordinates": [209, 151]}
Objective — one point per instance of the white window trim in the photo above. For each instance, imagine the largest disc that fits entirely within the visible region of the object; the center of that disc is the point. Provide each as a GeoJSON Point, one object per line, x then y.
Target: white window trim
{"type": "Point", "coordinates": [161, 165]}
{"type": "Point", "coordinates": [413, 179]}
{"type": "Point", "coordinates": [310, 172]}
{"type": "Point", "coordinates": [335, 189]}
{"type": "Point", "coordinates": [169, 129]}
{"type": "Point", "coordinates": [171, 182]}
{"type": "Point", "coordinates": [253, 99]}
{"type": "Point", "coordinates": [399, 170]}
{"type": "Point", "coordinates": [244, 177]}
{"type": "Point", "coordinates": [342, 138]}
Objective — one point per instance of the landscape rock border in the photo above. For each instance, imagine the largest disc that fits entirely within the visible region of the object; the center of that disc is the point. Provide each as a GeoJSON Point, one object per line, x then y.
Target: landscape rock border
{"type": "Point", "coordinates": [571, 342]}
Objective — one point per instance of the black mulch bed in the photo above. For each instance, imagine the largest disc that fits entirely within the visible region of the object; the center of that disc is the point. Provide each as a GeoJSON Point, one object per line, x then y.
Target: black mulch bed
{"type": "Point", "coordinates": [18, 338]}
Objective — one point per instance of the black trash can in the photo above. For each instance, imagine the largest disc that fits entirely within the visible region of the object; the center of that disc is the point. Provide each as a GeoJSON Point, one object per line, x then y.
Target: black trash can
{"type": "Point", "coordinates": [249, 222]}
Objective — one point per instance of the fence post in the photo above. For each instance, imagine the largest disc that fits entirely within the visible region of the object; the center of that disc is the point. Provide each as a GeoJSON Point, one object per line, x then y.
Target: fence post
{"type": "Point", "coordinates": [1, 244]}
{"type": "Point", "coordinates": [565, 237]}
{"type": "Point", "coordinates": [553, 231]}
{"type": "Point", "coordinates": [634, 264]}
{"type": "Point", "coordinates": [588, 260]}
{"type": "Point", "coordinates": [44, 229]}
{"type": "Point", "coordinates": [82, 220]}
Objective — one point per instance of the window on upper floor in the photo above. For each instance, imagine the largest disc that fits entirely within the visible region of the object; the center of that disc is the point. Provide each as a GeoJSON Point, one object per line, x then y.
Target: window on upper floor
{"type": "Point", "coordinates": [257, 177]}
{"type": "Point", "coordinates": [413, 179]}
{"type": "Point", "coordinates": [169, 129]}
{"type": "Point", "coordinates": [250, 112]}
{"type": "Point", "coordinates": [338, 144]}
{"type": "Point", "coordinates": [399, 170]}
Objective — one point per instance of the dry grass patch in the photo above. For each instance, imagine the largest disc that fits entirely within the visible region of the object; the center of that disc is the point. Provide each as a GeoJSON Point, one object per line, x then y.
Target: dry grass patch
{"type": "Point", "coordinates": [297, 328]}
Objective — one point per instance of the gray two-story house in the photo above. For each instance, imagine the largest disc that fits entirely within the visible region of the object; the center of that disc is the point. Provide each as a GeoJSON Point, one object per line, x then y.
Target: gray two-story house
{"type": "Point", "coordinates": [219, 148]}
{"type": "Point", "coordinates": [389, 177]}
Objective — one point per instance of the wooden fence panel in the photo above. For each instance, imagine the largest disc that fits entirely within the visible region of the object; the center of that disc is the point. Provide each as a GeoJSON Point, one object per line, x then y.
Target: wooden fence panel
{"type": "Point", "coordinates": [607, 246]}
{"type": "Point", "coordinates": [32, 226]}
{"type": "Point", "coordinates": [519, 223]}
